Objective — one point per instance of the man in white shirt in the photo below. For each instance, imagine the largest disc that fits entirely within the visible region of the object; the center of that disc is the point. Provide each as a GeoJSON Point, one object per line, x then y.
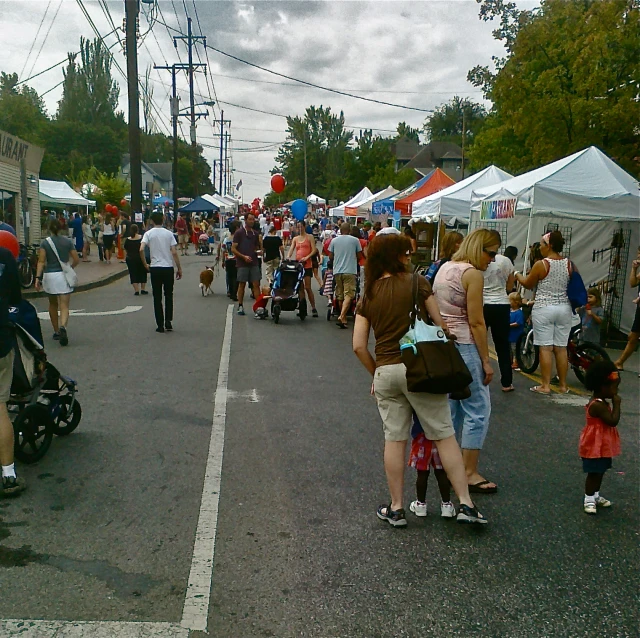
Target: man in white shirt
{"type": "Point", "coordinates": [162, 246]}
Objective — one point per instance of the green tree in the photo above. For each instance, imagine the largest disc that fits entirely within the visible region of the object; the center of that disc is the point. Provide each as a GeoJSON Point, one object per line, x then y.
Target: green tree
{"type": "Point", "coordinates": [22, 111]}
{"type": "Point", "coordinates": [404, 130]}
{"type": "Point", "coordinates": [445, 125]}
{"type": "Point", "coordinates": [570, 80]}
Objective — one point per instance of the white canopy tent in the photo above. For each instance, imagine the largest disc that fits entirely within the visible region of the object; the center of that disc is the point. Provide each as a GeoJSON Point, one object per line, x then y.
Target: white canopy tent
{"type": "Point", "coordinates": [224, 205]}
{"type": "Point", "coordinates": [315, 200]}
{"type": "Point", "coordinates": [453, 203]}
{"type": "Point", "coordinates": [364, 208]}
{"type": "Point", "coordinates": [354, 202]}
{"type": "Point", "coordinates": [62, 194]}
{"type": "Point", "coordinates": [589, 197]}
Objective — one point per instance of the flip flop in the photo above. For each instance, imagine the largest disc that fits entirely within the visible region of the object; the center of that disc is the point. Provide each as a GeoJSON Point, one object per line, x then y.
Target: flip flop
{"type": "Point", "coordinates": [538, 391]}
{"type": "Point", "coordinates": [565, 392]}
{"type": "Point", "coordinates": [477, 488]}
{"type": "Point", "coordinates": [509, 389]}
{"type": "Point", "coordinates": [341, 325]}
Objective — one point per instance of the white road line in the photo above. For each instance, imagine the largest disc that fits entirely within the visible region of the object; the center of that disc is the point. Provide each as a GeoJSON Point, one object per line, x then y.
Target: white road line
{"type": "Point", "coordinates": [196, 603]}
{"type": "Point", "coordinates": [70, 629]}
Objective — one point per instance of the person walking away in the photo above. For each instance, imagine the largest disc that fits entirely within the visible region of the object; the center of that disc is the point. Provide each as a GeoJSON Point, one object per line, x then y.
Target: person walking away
{"type": "Point", "coordinates": [86, 238]}
{"type": "Point", "coordinates": [458, 289]}
{"type": "Point", "coordinates": [498, 279]}
{"type": "Point", "coordinates": [286, 231]}
{"type": "Point", "coordinates": [162, 246]}
{"type": "Point", "coordinates": [10, 295]}
{"type": "Point", "coordinates": [228, 261]}
{"type": "Point", "coordinates": [599, 440]}
{"type": "Point", "coordinates": [424, 457]}
{"type": "Point", "coordinates": [304, 248]}
{"type": "Point", "coordinates": [124, 226]}
{"type": "Point", "coordinates": [54, 251]}
{"type": "Point", "coordinates": [98, 236]}
{"type": "Point", "coordinates": [246, 244]}
{"type": "Point", "coordinates": [386, 307]}
{"type": "Point", "coordinates": [108, 237]}
{"type": "Point", "coordinates": [551, 315]}
{"type": "Point", "coordinates": [591, 317]}
{"type": "Point", "coordinates": [183, 234]}
{"type": "Point", "coordinates": [516, 325]}
{"type": "Point", "coordinates": [634, 334]}
{"type": "Point", "coordinates": [137, 271]}
{"type": "Point", "coordinates": [273, 253]}
{"type": "Point", "coordinates": [75, 225]}
{"type": "Point", "coordinates": [344, 252]}
{"type": "Point", "coordinates": [448, 246]}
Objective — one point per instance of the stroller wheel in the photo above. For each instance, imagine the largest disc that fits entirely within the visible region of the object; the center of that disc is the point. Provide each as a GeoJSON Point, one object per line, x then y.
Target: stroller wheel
{"type": "Point", "coordinates": [65, 417]}
{"type": "Point", "coordinates": [275, 311]}
{"type": "Point", "coordinates": [329, 313]}
{"type": "Point", "coordinates": [33, 428]}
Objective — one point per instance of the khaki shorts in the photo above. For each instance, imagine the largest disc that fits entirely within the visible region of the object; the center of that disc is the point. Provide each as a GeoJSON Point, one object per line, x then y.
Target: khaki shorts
{"type": "Point", "coordinates": [396, 405]}
{"type": "Point", "coordinates": [271, 267]}
{"type": "Point", "coordinates": [183, 239]}
{"type": "Point", "coordinates": [6, 376]}
{"type": "Point", "coordinates": [345, 286]}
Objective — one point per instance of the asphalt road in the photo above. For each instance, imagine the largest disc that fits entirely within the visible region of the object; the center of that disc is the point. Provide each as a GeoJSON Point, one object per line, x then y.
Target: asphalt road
{"type": "Point", "coordinates": [106, 529]}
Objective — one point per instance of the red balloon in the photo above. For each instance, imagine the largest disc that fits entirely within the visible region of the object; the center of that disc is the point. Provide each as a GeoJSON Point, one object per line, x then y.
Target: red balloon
{"type": "Point", "coordinates": [123, 203]}
{"type": "Point", "coordinates": [10, 242]}
{"type": "Point", "coordinates": [278, 183]}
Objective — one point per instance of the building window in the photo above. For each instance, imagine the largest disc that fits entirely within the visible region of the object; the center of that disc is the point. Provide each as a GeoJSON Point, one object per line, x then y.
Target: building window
{"type": "Point", "coordinates": [8, 203]}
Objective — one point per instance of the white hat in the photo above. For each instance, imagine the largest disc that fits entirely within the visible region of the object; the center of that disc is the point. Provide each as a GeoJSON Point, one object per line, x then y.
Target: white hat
{"type": "Point", "coordinates": [389, 230]}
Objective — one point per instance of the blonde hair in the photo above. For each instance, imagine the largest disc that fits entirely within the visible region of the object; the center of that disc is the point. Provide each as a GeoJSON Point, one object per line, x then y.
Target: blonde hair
{"type": "Point", "coordinates": [448, 245]}
{"type": "Point", "coordinates": [515, 296]}
{"type": "Point", "coordinates": [474, 244]}
{"type": "Point", "coordinates": [596, 293]}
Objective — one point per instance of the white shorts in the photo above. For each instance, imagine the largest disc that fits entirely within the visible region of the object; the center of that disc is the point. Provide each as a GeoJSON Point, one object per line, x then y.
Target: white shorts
{"type": "Point", "coordinates": [551, 325]}
{"type": "Point", "coordinates": [55, 283]}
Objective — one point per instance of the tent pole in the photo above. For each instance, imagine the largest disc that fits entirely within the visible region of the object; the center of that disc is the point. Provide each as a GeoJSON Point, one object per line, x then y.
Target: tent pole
{"type": "Point", "coordinates": [527, 249]}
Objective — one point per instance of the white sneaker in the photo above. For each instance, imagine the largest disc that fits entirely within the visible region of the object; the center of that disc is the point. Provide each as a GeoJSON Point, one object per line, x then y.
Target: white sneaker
{"type": "Point", "coordinates": [601, 501]}
{"type": "Point", "coordinates": [418, 508]}
{"type": "Point", "coordinates": [448, 510]}
{"type": "Point", "coordinates": [590, 507]}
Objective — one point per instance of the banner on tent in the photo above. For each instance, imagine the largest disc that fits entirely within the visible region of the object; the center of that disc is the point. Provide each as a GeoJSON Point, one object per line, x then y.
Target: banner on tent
{"type": "Point", "coordinates": [498, 209]}
{"type": "Point", "coordinates": [383, 207]}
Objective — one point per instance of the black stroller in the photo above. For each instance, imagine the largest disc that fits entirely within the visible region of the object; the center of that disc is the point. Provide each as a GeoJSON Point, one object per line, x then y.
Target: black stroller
{"type": "Point", "coordinates": [43, 401]}
{"type": "Point", "coordinates": [285, 292]}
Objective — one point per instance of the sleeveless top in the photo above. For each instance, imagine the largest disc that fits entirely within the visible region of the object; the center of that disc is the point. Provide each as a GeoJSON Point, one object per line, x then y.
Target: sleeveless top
{"type": "Point", "coordinates": [552, 290]}
{"type": "Point", "coordinates": [452, 299]}
{"type": "Point", "coordinates": [304, 248]}
{"type": "Point", "coordinates": [598, 440]}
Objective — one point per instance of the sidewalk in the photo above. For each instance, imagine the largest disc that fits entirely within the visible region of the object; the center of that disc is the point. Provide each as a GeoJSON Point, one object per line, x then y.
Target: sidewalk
{"type": "Point", "coordinates": [93, 274]}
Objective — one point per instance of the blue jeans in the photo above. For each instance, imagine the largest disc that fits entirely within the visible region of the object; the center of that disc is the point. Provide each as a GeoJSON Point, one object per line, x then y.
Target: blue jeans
{"type": "Point", "coordinates": [471, 416]}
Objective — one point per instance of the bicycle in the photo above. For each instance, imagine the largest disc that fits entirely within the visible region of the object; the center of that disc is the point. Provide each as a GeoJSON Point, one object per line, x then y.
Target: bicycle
{"type": "Point", "coordinates": [27, 265]}
{"type": "Point", "coordinates": [580, 355]}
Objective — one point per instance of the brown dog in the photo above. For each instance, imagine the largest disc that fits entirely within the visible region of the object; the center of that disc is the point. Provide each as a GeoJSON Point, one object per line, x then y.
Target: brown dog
{"type": "Point", "coordinates": [206, 279]}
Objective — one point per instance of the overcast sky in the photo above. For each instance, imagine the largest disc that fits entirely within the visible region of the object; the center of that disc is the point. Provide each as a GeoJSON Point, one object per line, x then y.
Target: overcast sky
{"type": "Point", "coordinates": [411, 53]}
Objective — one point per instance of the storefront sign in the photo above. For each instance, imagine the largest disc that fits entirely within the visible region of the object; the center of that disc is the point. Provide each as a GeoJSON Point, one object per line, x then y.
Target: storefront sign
{"type": "Point", "coordinates": [13, 150]}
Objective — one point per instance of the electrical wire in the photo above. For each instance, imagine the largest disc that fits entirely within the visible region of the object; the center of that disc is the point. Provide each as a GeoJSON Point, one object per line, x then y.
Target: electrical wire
{"type": "Point", "coordinates": [26, 61]}
{"type": "Point", "coordinates": [46, 36]}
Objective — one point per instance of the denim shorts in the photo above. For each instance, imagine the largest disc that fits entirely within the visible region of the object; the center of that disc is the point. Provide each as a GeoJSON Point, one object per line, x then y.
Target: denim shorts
{"type": "Point", "coordinates": [471, 416]}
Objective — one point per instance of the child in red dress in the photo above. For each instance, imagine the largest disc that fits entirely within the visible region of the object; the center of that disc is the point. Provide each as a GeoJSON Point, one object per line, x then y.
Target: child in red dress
{"type": "Point", "coordinates": [424, 456]}
{"type": "Point", "coordinates": [600, 441]}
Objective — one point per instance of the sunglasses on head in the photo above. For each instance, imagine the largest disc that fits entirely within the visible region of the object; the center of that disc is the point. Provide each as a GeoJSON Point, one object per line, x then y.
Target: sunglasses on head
{"type": "Point", "coordinates": [491, 253]}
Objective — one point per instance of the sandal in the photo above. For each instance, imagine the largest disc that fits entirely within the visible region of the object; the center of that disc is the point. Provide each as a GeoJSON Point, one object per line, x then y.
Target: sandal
{"type": "Point", "coordinates": [395, 518]}
{"type": "Point", "coordinates": [468, 514]}
{"type": "Point", "coordinates": [537, 390]}
{"type": "Point", "coordinates": [476, 488]}
{"type": "Point", "coordinates": [341, 325]}
{"type": "Point", "coordinates": [509, 389]}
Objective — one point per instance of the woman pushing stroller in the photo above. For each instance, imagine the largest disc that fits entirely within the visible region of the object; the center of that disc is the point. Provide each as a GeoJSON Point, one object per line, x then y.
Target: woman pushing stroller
{"type": "Point", "coordinates": [304, 247]}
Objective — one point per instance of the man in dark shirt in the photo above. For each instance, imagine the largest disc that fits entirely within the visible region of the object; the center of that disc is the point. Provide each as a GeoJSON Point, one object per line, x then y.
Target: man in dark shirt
{"type": "Point", "coordinates": [9, 296]}
{"type": "Point", "coordinates": [246, 244]}
{"type": "Point", "coordinates": [273, 252]}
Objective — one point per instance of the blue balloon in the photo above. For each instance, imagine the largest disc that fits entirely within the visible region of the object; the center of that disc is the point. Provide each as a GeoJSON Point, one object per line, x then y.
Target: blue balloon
{"type": "Point", "coordinates": [299, 209]}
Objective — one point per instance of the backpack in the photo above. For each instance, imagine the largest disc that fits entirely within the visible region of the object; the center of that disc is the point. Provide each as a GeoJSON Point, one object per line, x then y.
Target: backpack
{"type": "Point", "coordinates": [576, 290]}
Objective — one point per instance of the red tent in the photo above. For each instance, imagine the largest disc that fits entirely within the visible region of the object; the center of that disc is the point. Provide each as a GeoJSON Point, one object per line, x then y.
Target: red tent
{"type": "Point", "coordinates": [436, 182]}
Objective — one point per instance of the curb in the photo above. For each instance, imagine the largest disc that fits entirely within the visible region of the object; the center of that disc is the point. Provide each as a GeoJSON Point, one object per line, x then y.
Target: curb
{"type": "Point", "coordinates": [90, 285]}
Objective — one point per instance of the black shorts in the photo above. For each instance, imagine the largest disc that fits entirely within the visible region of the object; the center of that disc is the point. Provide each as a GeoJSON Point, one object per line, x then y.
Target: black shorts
{"type": "Point", "coordinates": [636, 321]}
{"type": "Point", "coordinates": [308, 272]}
{"type": "Point", "coordinates": [108, 241]}
{"type": "Point", "coordinates": [596, 466]}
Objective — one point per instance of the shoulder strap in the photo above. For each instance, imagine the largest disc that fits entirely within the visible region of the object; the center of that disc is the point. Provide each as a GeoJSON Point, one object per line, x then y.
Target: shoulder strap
{"type": "Point", "coordinates": [414, 309]}
{"type": "Point", "coordinates": [55, 250]}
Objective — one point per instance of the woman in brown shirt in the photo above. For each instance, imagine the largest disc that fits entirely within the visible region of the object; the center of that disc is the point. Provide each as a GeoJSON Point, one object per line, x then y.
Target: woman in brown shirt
{"type": "Point", "coordinates": [386, 307]}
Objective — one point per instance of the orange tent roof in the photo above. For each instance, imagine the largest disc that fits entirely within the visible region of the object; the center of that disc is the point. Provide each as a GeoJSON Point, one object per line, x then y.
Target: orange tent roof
{"type": "Point", "coordinates": [436, 182]}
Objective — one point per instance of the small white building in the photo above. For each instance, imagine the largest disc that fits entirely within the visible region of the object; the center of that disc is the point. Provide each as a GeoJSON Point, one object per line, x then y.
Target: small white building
{"type": "Point", "coordinates": [19, 194]}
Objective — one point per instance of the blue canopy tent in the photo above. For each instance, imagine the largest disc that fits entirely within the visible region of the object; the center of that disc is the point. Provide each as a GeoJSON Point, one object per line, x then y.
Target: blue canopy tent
{"type": "Point", "coordinates": [386, 207]}
{"type": "Point", "coordinates": [161, 200]}
{"type": "Point", "coordinates": [199, 205]}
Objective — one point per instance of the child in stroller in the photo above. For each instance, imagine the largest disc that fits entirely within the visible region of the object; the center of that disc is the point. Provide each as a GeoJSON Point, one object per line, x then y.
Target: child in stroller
{"type": "Point", "coordinates": [203, 244]}
{"type": "Point", "coordinates": [287, 292]}
{"type": "Point", "coordinates": [43, 401]}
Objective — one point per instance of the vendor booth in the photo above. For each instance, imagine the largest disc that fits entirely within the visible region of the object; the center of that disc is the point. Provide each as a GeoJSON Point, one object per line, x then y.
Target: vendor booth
{"type": "Point", "coordinates": [61, 194]}
{"type": "Point", "coordinates": [435, 181]}
{"type": "Point", "coordinates": [596, 206]}
{"type": "Point", "coordinates": [354, 202]}
{"type": "Point", "coordinates": [199, 205]}
{"type": "Point", "coordinates": [364, 209]}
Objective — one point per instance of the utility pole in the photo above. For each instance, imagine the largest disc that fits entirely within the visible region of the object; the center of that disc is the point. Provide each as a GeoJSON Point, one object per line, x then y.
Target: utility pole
{"type": "Point", "coordinates": [135, 167]}
{"type": "Point", "coordinates": [226, 163]}
{"type": "Point", "coordinates": [190, 39]}
{"type": "Point", "coordinates": [464, 126]}
{"type": "Point", "coordinates": [220, 162]}
{"type": "Point", "coordinates": [305, 163]}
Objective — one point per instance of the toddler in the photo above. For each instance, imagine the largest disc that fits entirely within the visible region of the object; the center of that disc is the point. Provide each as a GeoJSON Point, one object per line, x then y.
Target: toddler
{"type": "Point", "coordinates": [591, 316]}
{"type": "Point", "coordinates": [516, 325]}
{"type": "Point", "coordinates": [600, 441]}
{"type": "Point", "coordinates": [424, 456]}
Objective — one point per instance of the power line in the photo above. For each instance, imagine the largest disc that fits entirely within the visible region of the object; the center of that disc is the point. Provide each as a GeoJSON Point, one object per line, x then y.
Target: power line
{"type": "Point", "coordinates": [26, 61]}
{"type": "Point", "coordinates": [46, 36]}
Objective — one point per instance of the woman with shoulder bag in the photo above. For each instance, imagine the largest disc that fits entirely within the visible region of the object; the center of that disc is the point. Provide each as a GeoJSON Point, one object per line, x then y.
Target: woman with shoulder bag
{"type": "Point", "coordinates": [458, 288]}
{"type": "Point", "coordinates": [56, 251]}
{"type": "Point", "coordinates": [386, 306]}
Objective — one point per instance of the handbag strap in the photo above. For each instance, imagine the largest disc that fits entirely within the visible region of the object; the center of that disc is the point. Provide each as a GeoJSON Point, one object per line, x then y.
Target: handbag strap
{"type": "Point", "coordinates": [55, 251]}
{"type": "Point", "coordinates": [414, 309]}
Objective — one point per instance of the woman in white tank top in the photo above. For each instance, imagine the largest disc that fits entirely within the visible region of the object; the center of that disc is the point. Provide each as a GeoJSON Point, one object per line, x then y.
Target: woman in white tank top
{"type": "Point", "coordinates": [551, 315]}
